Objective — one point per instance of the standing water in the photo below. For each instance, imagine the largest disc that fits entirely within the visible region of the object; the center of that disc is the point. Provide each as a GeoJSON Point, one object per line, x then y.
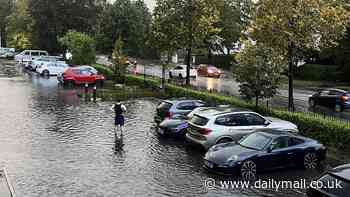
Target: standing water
{"type": "Point", "coordinates": [53, 143]}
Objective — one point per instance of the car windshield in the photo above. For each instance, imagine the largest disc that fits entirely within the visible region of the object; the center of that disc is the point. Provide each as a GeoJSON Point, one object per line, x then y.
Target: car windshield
{"type": "Point", "coordinates": [329, 180]}
{"type": "Point", "coordinates": [256, 141]}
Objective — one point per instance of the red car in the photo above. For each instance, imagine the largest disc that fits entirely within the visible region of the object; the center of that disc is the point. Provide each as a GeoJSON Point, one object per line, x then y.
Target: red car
{"type": "Point", "coordinates": [81, 75]}
{"type": "Point", "coordinates": [209, 71]}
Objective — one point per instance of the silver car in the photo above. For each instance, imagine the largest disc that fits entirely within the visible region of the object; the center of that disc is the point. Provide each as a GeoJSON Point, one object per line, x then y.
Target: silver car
{"type": "Point", "coordinates": [210, 126]}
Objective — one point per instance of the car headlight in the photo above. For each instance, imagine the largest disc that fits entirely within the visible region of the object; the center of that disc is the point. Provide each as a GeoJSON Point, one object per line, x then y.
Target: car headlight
{"type": "Point", "coordinates": [232, 160]}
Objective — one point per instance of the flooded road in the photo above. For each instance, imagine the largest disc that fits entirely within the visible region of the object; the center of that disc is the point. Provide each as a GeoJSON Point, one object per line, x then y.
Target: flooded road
{"type": "Point", "coordinates": [53, 143]}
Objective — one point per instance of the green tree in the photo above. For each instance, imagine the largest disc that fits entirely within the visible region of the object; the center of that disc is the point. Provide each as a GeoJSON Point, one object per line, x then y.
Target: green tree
{"type": "Point", "coordinates": [82, 47]}
{"type": "Point", "coordinates": [129, 19]}
{"type": "Point", "coordinates": [19, 26]}
{"type": "Point", "coordinates": [6, 7]}
{"type": "Point", "coordinates": [53, 18]}
{"type": "Point", "coordinates": [259, 71]}
{"type": "Point", "coordinates": [192, 21]}
{"type": "Point", "coordinates": [290, 26]}
{"type": "Point", "coordinates": [119, 61]}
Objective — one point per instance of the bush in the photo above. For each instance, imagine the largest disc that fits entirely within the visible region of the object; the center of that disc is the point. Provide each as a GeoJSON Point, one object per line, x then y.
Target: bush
{"type": "Point", "coordinates": [105, 71]}
{"type": "Point", "coordinates": [82, 47]}
{"type": "Point", "coordinates": [317, 72]}
{"type": "Point", "coordinates": [329, 131]}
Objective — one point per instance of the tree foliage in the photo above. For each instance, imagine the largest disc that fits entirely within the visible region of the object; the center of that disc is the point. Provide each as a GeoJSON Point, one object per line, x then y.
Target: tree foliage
{"type": "Point", "coordinates": [259, 71]}
{"type": "Point", "coordinates": [82, 47]}
{"type": "Point", "coordinates": [293, 26]}
{"type": "Point", "coordinates": [129, 19]}
{"type": "Point", "coordinates": [119, 61]}
{"type": "Point", "coordinates": [19, 25]}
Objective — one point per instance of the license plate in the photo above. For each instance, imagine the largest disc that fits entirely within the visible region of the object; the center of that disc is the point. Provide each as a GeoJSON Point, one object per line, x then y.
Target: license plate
{"type": "Point", "coordinates": [208, 164]}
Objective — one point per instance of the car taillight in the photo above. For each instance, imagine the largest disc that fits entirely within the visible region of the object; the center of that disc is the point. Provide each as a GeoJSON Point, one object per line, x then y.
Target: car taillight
{"type": "Point", "coordinates": [344, 98]}
{"type": "Point", "coordinates": [205, 131]}
{"type": "Point", "coordinates": [168, 114]}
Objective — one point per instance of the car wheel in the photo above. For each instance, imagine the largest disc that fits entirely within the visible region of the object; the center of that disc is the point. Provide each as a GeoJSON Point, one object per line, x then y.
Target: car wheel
{"type": "Point", "coordinates": [224, 140]}
{"type": "Point", "coordinates": [338, 108]}
{"type": "Point", "coordinates": [46, 73]}
{"type": "Point", "coordinates": [248, 170]}
{"type": "Point", "coordinates": [310, 161]}
{"type": "Point", "coordinates": [69, 84]}
{"type": "Point", "coordinates": [311, 102]}
{"type": "Point", "coordinates": [99, 83]}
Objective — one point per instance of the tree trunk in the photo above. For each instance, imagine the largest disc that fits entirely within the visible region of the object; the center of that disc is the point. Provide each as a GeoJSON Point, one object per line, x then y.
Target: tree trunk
{"type": "Point", "coordinates": [189, 59]}
{"type": "Point", "coordinates": [291, 78]}
{"type": "Point", "coordinates": [256, 102]}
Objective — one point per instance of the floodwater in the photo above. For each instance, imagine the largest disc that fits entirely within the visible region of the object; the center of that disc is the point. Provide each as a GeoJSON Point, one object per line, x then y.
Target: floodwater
{"type": "Point", "coordinates": [54, 143]}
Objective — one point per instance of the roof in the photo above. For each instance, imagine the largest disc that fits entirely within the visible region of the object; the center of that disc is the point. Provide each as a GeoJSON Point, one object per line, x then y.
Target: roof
{"type": "Point", "coordinates": [215, 111]}
{"type": "Point", "coordinates": [342, 172]}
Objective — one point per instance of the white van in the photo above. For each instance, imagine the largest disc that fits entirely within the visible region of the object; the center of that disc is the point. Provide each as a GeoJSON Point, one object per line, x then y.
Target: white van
{"type": "Point", "coordinates": [29, 55]}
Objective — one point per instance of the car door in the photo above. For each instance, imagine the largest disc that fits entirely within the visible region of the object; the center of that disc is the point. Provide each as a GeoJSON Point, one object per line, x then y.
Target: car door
{"type": "Point", "coordinates": [278, 156]}
{"type": "Point", "coordinates": [233, 125]}
{"type": "Point", "coordinates": [254, 121]}
{"type": "Point", "coordinates": [86, 76]}
{"type": "Point", "coordinates": [26, 56]}
{"type": "Point", "coordinates": [334, 98]}
{"type": "Point", "coordinates": [323, 98]}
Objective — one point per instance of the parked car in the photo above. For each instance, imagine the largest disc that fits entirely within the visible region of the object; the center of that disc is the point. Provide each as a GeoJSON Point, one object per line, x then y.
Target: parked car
{"type": "Point", "coordinates": [329, 180]}
{"type": "Point", "coordinates": [29, 55]}
{"type": "Point", "coordinates": [7, 53]}
{"type": "Point", "coordinates": [180, 71]}
{"type": "Point", "coordinates": [337, 99]}
{"type": "Point", "coordinates": [209, 71]}
{"type": "Point", "coordinates": [264, 150]}
{"type": "Point", "coordinates": [176, 126]}
{"type": "Point", "coordinates": [40, 61]}
{"type": "Point", "coordinates": [168, 108]}
{"type": "Point", "coordinates": [210, 126]}
{"type": "Point", "coordinates": [52, 68]}
{"type": "Point", "coordinates": [81, 75]}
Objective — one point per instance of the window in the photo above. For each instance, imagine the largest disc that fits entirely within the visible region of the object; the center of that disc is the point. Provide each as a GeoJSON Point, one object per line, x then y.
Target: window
{"type": "Point", "coordinates": [85, 72]}
{"type": "Point", "coordinates": [198, 120]}
{"type": "Point", "coordinates": [43, 54]}
{"type": "Point", "coordinates": [186, 106]}
{"type": "Point", "coordinates": [178, 68]}
{"type": "Point", "coordinates": [255, 141]}
{"type": "Point", "coordinates": [34, 53]}
{"type": "Point", "coordinates": [27, 53]}
{"type": "Point", "coordinates": [253, 119]}
{"type": "Point", "coordinates": [231, 120]}
{"type": "Point", "coordinates": [329, 182]}
{"type": "Point", "coordinates": [165, 106]}
{"type": "Point", "coordinates": [324, 93]}
{"type": "Point", "coordinates": [281, 142]}
{"type": "Point", "coordinates": [293, 141]}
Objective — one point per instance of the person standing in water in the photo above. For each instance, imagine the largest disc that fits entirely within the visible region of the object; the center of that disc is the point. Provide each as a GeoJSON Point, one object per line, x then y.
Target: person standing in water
{"type": "Point", "coordinates": [119, 110]}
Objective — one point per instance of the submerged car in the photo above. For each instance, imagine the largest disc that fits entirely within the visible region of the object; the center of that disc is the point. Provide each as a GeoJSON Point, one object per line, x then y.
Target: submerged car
{"type": "Point", "coordinates": [336, 99]}
{"type": "Point", "coordinates": [264, 150]}
{"type": "Point", "coordinates": [173, 127]}
{"type": "Point", "coordinates": [168, 108]}
{"type": "Point", "coordinates": [81, 75]}
{"type": "Point", "coordinates": [52, 68]}
{"type": "Point", "coordinates": [329, 180]}
{"type": "Point", "coordinates": [210, 126]}
{"type": "Point", "coordinates": [41, 61]}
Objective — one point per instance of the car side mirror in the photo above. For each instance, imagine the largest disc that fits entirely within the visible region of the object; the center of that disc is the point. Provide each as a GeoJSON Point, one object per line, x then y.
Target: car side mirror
{"type": "Point", "coordinates": [267, 123]}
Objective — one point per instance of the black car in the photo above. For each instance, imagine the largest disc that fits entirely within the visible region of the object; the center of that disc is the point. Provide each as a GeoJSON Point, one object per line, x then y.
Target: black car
{"type": "Point", "coordinates": [337, 99]}
{"type": "Point", "coordinates": [173, 127]}
{"type": "Point", "coordinates": [264, 150]}
{"type": "Point", "coordinates": [168, 108]}
{"type": "Point", "coordinates": [334, 183]}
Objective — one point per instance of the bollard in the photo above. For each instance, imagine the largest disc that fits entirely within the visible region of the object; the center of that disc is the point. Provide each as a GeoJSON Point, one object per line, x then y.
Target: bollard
{"type": "Point", "coordinates": [95, 93]}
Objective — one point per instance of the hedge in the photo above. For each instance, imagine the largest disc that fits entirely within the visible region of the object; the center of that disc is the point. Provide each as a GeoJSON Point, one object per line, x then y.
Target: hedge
{"type": "Point", "coordinates": [317, 72]}
{"type": "Point", "coordinates": [329, 131]}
